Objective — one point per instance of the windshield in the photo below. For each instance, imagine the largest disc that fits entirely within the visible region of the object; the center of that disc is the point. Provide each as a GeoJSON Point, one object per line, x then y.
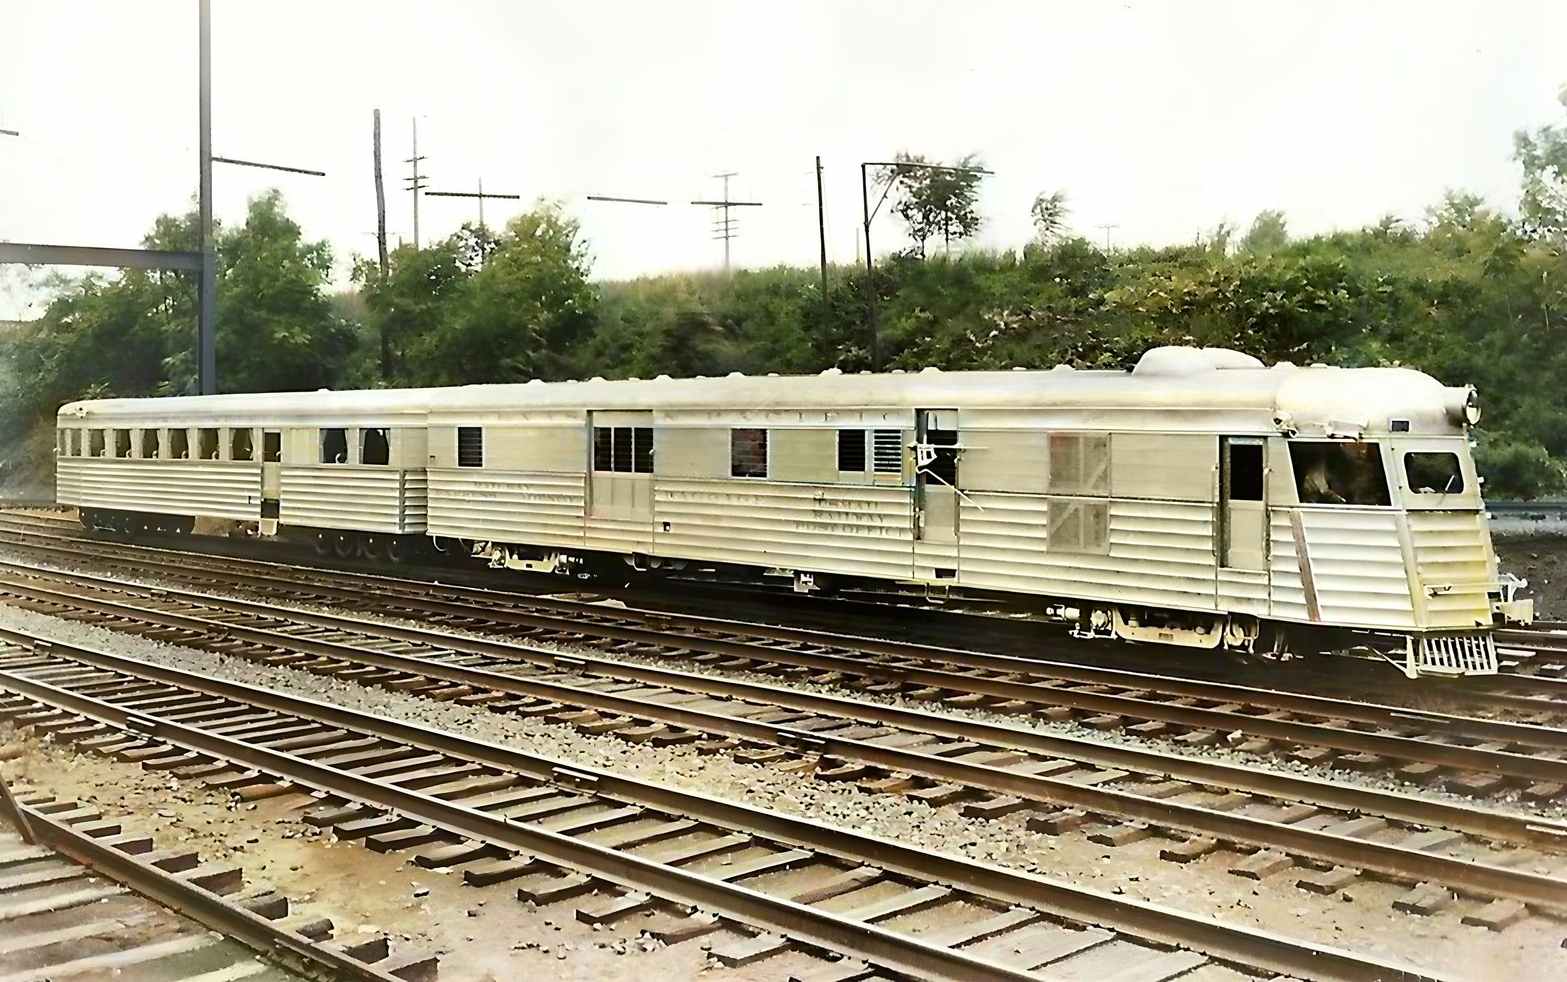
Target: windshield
{"type": "Point", "coordinates": [1339, 473]}
{"type": "Point", "coordinates": [1436, 472]}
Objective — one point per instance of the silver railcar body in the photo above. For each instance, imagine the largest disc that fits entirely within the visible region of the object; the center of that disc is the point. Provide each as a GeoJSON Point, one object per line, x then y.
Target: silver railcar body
{"type": "Point", "coordinates": [1200, 498]}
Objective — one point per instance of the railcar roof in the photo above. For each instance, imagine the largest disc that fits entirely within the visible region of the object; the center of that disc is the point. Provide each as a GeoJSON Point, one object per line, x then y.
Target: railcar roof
{"type": "Point", "coordinates": [1184, 378]}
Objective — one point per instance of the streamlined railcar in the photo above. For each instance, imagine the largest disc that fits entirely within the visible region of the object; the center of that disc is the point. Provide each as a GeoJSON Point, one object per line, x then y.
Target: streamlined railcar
{"type": "Point", "coordinates": [1200, 498]}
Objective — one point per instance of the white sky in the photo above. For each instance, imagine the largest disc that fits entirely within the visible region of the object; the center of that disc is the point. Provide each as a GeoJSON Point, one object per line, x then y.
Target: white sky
{"type": "Point", "coordinates": [1161, 118]}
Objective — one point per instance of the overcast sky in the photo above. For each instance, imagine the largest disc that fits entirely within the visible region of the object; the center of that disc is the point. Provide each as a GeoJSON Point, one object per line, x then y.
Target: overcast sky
{"type": "Point", "coordinates": [1159, 118]}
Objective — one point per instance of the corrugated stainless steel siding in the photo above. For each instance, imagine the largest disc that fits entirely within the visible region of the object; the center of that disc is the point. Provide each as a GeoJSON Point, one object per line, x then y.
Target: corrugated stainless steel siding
{"type": "Point", "coordinates": [203, 488]}
{"type": "Point", "coordinates": [505, 506]}
{"type": "Point", "coordinates": [1160, 553]}
{"type": "Point", "coordinates": [1357, 566]}
{"type": "Point", "coordinates": [855, 529]}
{"type": "Point", "coordinates": [343, 496]}
{"type": "Point", "coordinates": [1453, 548]}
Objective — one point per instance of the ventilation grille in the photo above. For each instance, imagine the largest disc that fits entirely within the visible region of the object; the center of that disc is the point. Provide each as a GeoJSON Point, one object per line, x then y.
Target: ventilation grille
{"type": "Point", "coordinates": [470, 446]}
{"type": "Point", "coordinates": [1455, 654]}
{"type": "Point", "coordinates": [887, 452]}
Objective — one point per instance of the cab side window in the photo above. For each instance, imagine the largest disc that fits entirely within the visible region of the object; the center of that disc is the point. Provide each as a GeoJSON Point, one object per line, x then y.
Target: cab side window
{"type": "Point", "coordinates": [1339, 473]}
{"type": "Point", "coordinates": [1433, 472]}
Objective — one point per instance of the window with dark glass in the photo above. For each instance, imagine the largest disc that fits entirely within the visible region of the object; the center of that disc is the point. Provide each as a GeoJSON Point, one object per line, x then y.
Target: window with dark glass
{"type": "Point", "coordinates": [1243, 471]}
{"type": "Point", "coordinates": [748, 452]}
{"type": "Point", "coordinates": [122, 443]}
{"type": "Point", "coordinates": [149, 444]}
{"type": "Point", "coordinates": [95, 443]}
{"type": "Point", "coordinates": [334, 446]}
{"type": "Point", "coordinates": [208, 445]}
{"type": "Point", "coordinates": [623, 449]}
{"type": "Point", "coordinates": [1335, 473]}
{"type": "Point", "coordinates": [271, 447]}
{"type": "Point", "coordinates": [374, 447]}
{"type": "Point", "coordinates": [241, 444]}
{"type": "Point", "coordinates": [851, 451]}
{"type": "Point", "coordinates": [1433, 472]}
{"type": "Point", "coordinates": [943, 469]}
{"type": "Point", "coordinates": [179, 444]}
{"type": "Point", "coordinates": [470, 446]}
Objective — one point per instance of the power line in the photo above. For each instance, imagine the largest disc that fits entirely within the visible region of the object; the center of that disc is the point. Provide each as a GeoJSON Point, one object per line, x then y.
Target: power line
{"type": "Point", "coordinates": [627, 201]}
{"type": "Point", "coordinates": [252, 163]}
{"type": "Point", "coordinates": [481, 194]}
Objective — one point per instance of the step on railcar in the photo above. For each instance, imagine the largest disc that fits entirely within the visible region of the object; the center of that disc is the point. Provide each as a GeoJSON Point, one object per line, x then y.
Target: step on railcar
{"type": "Point", "coordinates": [1200, 499]}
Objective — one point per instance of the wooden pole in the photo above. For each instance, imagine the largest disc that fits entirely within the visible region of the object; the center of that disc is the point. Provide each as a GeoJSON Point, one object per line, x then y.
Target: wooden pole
{"type": "Point", "coordinates": [380, 241]}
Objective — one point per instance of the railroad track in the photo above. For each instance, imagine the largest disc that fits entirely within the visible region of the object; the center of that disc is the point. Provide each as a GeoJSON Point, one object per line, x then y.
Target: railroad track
{"type": "Point", "coordinates": [1293, 830]}
{"type": "Point", "coordinates": [1530, 688]}
{"type": "Point", "coordinates": [564, 832]}
{"type": "Point", "coordinates": [82, 897]}
{"type": "Point", "coordinates": [1470, 754]}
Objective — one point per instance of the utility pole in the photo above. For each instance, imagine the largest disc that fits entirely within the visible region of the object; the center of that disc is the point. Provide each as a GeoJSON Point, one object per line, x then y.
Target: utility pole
{"type": "Point", "coordinates": [1107, 229]}
{"type": "Point", "coordinates": [207, 292]}
{"type": "Point", "coordinates": [724, 226]}
{"type": "Point", "coordinates": [380, 214]}
{"type": "Point", "coordinates": [821, 224]}
{"type": "Point", "coordinates": [414, 184]}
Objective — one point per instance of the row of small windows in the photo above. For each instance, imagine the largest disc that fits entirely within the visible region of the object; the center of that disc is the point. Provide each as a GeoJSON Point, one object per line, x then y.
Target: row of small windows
{"type": "Point", "coordinates": [169, 444]}
{"type": "Point", "coordinates": [375, 446]}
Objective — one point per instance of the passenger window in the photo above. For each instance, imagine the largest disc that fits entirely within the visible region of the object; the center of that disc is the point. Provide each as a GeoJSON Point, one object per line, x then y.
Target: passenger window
{"type": "Point", "coordinates": [748, 453]}
{"type": "Point", "coordinates": [73, 443]}
{"type": "Point", "coordinates": [374, 447]}
{"type": "Point", "coordinates": [851, 451]}
{"type": "Point", "coordinates": [95, 443]}
{"type": "Point", "coordinates": [207, 443]}
{"type": "Point", "coordinates": [179, 444]}
{"type": "Point", "coordinates": [122, 443]}
{"type": "Point", "coordinates": [1433, 472]}
{"type": "Point", "coordinates": [944, 468]}
{"type": "Point", "coordinates": [62, 440]}
{"type": "Point", "coordinates": [1243, 472]}
{"type": "Point", "coordinates": [242, 444]}
{"type": "Point", "coordinates": [470, 446]}
{"type": "Point", "coordinates": [887, 452]}
{"type": "Point", "coordinates": [271, 447]}
{"type": "Point", "coordinates": [623, 449]}
{"type": "Point", "coordinates": [334, 446]}
{"type": "Point", "coordinates": [1339, 473]}
{"type": "Point", "coordinates": [149, 444]}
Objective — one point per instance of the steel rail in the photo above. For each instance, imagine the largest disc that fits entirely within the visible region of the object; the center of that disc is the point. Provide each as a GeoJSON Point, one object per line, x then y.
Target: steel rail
{"type": "Point", "coordinates": [1507, 763]}
{"type": "Point", "coordinates": [291, 950]}
{"type": "Point", "coordinates": [732, 633]}
{"type": "Point", "coordinates": [1388, 859]}
{"type": "Point", "coordinates": [1395, 805]}
{"type": "Point", "coordinates": [1235, 944]}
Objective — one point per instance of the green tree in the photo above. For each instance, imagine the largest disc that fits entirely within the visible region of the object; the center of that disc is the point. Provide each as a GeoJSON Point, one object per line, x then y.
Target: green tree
{"type": "Point", "coordinates": [1049, 213]}
{"type": "Point", "coordinates": [1268, 233]}
{"type": "Point", "coordinates": [519, 316]}
{"type": "Point", "coordinates": [1543, 156]}
{"type": "Point", "coordinates": [934, 201]}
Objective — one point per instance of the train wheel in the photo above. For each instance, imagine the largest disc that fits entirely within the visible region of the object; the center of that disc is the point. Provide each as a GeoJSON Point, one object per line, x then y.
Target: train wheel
{"type": "Point", "coordinates": [372, 547]}
{"type": "Point", "coordinates": [344, 546]}
{"type": "Point", "coordinates": [323, 545]}
{"type": "Point", "coordinates": [399, 549]}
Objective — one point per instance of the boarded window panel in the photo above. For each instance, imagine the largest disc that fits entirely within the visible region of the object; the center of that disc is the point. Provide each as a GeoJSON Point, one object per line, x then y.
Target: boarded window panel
{"type": "Point", "coordinates": [149, 444]}
{"type": "Point", "coordinates": [1080, 463]}
{"type": "Point", "coordinates": [1077, 526]}
{"type": "Point", "coordinates": [242, 444]}
{"type": "Point", "coordinates": [851, 451]}
{"type": "Point", "coordinates": [334, 446]}
{"type": "Point", "coordinates": [642, 450]}
{"type": "Point", "coordinates": [887, 452]}
{"type": "Point", "coordinates": [748, 453]}
{"type": "Point", "coordinates": [470, 446]}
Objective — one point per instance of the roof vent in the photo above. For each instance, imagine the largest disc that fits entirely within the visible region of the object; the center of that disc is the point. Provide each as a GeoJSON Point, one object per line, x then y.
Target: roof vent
{"type": "Point", "coordinates": [1057, 368]}
{"type": "Point", "coordinates": [735, 375]}
{"type": "Point", "coordinates": [596, 378]}
{"type": "Point", "coordinates": [772, 374]}
{"type": "Point", "coordinates": [535, 381]}
{"type": "Point", "coordinates": [930, 370]}
{"type": "Point", "coordinates": [662, 378]}
{"type": "Point", "coordinates": [832, 371]}
{"type": "Point", "coordinates": [1182, 360]}
{"type": "Point", "coordinates": [897, 371]}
